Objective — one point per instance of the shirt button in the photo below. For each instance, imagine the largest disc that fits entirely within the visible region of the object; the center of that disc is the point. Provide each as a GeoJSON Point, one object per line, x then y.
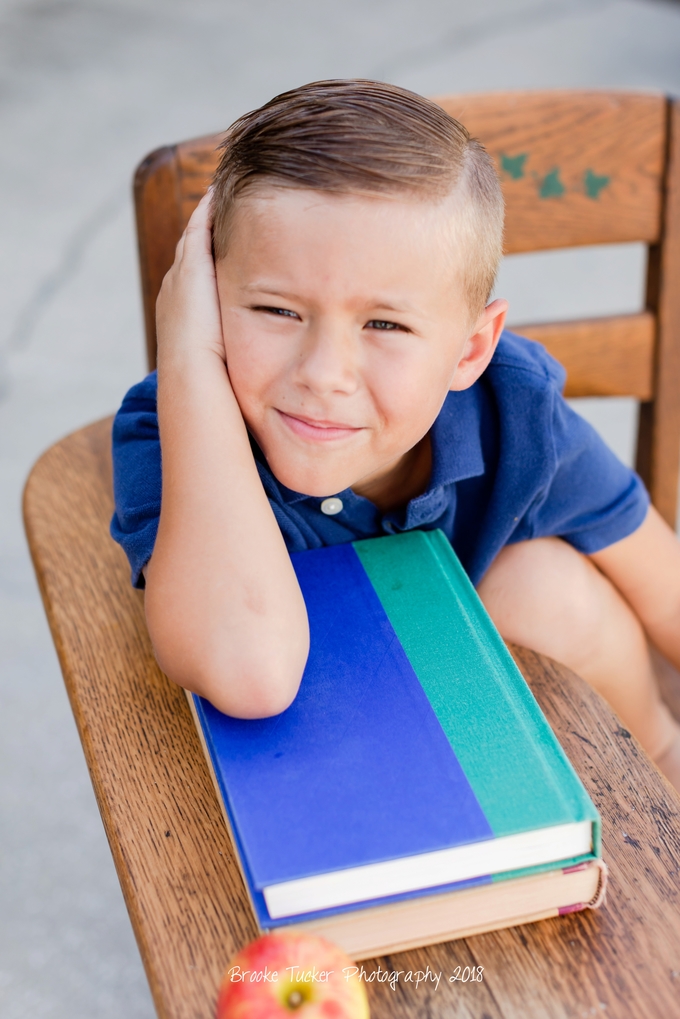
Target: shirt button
{"type": "Point", "coordinates": [331, 506]}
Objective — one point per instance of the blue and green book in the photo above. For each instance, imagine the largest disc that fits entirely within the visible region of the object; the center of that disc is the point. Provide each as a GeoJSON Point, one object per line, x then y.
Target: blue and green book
{"type": "Point", "coordinates": [413, 792]}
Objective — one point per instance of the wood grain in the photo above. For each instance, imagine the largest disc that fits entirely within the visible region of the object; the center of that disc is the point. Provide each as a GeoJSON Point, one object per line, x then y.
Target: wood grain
{"type": "Point", "coordinates": [181, 884]}
{"type": "Point", "coordinates": [197, 161]}
{"type": "Point", "coordinates": [658, 457]}
{"type": "Point", "coordinates": [592, 169]}
{"type": "Point", "coordinates": [172, 853]}
{"type": "Point", "coordinates": [611, 356]}
{"type": "Point", "coordinates": [159, 229]}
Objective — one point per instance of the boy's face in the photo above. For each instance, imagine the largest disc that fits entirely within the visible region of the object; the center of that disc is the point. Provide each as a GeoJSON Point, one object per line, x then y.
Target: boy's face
{"type": "Point", "coordinates": [345, 325]}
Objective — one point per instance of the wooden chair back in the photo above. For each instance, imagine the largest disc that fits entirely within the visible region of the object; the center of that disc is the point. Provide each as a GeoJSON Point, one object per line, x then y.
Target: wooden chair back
{"type": "Point", "coordinates": [578, 168]}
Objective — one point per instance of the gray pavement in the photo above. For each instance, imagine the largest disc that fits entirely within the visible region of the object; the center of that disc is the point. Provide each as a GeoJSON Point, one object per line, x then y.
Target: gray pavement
{"type": "Point", "coordinates": [87, 87]}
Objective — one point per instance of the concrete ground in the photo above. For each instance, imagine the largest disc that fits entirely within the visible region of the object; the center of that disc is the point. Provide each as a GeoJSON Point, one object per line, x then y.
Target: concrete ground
{"type": "Point", "coordinates": [87, 87]}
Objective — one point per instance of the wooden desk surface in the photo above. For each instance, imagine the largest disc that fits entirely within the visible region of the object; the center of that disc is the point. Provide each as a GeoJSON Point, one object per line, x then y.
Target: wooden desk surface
{"type": "Point", "coordinates": [173, 856]}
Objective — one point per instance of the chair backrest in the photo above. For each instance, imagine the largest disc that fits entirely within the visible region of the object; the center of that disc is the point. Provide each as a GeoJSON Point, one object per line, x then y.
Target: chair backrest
{"type": "Point", "coordinates": [578, 168]}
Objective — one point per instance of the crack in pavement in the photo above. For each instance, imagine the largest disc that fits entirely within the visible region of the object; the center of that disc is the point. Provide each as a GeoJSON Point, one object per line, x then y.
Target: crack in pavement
{"type": "Point", "coordinates": [492, 27]}
{"type": "Point", "coordinates": [53, 283]}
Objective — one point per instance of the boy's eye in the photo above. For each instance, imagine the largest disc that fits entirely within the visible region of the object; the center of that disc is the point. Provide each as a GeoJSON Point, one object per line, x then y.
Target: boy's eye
{"type": "Point", "coordinates": [379, 323]}
{"type": "Point", "coordinates": [276, 311]}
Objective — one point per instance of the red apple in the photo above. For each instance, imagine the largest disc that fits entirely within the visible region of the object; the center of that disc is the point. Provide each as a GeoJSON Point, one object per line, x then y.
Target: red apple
{"type": "Point", "coordinates": [285, 974]}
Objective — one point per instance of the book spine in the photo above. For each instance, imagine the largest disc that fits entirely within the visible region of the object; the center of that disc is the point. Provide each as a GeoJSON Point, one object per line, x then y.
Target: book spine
{"type": "Point", "coordinates": [495, 727]}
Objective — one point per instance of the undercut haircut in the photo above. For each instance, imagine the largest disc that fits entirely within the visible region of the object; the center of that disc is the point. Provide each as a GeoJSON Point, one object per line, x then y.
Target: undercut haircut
{"type": "Point", "coordinates": [360, 137]}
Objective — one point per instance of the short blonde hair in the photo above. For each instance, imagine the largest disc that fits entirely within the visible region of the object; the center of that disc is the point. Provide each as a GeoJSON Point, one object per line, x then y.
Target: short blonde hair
{"type": "Point", "coordinates": [366, 137]}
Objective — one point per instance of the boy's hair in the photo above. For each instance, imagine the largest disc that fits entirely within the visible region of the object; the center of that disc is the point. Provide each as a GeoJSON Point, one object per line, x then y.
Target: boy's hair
{"type": "Point", "coordinates": [366, 137]}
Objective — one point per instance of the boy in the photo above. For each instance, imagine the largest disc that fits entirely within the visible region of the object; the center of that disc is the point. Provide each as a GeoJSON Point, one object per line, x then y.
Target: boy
{"type": "Point", "coordinates": [335, 372]}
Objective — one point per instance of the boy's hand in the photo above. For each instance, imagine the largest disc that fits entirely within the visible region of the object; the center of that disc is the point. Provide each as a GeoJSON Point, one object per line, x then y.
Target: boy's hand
{"type": "Point", "coordinates": [188, 308]}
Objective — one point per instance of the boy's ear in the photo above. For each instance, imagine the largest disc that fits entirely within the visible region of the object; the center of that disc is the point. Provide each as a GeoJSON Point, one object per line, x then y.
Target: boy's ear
{"type": "Point", "coordinates": [480, 345]}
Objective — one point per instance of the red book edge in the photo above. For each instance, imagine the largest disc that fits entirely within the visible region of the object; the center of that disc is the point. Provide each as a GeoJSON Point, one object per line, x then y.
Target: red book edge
{"type": "Point", "coordinates": [601, 893]}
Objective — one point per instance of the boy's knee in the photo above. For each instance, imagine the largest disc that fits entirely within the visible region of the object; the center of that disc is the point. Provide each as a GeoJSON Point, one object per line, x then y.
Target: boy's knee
{"type": "Point", "coordinates": [533, 571]}
{"type": "Point", "coordinates": [545, 594]}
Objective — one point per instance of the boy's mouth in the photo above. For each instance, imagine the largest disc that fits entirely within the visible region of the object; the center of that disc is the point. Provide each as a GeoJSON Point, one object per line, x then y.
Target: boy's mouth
{"type": "Point", "coordinates": [317, 430]}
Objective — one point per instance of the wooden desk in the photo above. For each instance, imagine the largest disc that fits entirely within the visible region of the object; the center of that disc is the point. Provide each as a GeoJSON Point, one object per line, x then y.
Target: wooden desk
{"type": "Point", "coordinates": [172, 853]}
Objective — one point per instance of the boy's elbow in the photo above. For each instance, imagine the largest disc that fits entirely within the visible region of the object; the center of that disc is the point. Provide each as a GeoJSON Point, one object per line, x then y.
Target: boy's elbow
{"type": "Point", "coordinates": [248, 667]}
{"type": "Point", "coordinates": [251, 686]}
{"type": "Point", "coordinates": [261, 694]}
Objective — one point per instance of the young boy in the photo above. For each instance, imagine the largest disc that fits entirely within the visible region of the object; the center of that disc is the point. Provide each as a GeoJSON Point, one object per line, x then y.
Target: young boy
{"type": "Point", "coordinates": [335, 372]}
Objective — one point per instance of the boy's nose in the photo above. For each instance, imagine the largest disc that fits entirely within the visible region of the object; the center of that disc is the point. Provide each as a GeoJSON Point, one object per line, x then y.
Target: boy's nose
{"type": "Point", "coordinates": [329, 360]}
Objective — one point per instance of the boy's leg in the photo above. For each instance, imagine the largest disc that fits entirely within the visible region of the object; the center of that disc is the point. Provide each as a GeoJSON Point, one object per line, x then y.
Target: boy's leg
{"type": "Point", "coordinates": [545, 595]}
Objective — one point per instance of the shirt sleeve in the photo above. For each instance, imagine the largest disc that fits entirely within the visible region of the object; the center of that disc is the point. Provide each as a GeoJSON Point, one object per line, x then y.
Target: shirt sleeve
{"type": "Point", "coordinates": [137, 475]}
{"type": "Point", "coordinates": [592, 499]}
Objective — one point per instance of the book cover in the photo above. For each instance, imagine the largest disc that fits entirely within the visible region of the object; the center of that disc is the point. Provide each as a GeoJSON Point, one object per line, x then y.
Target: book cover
{"type": "Point", "coordinates": [413, 760]}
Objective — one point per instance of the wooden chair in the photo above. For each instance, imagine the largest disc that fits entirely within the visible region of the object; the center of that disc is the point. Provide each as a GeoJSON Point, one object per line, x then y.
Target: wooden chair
{"type": "Point", "coordinates": [579, 168]}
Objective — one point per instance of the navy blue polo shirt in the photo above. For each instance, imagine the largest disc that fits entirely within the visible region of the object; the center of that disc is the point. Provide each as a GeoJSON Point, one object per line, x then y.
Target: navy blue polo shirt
{"type": "Point", "coordinates": [510, 461]}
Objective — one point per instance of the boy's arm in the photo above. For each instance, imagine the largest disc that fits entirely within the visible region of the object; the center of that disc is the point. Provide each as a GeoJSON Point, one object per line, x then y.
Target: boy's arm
{"type": "Point", "coordinates": [645, 567]}
{"type": "Point", "coordinates": [223, 606]}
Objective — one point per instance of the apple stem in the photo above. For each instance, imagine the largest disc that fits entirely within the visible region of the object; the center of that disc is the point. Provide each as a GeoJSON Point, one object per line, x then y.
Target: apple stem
{"type": "Point", "coordinates": [295, 999]}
